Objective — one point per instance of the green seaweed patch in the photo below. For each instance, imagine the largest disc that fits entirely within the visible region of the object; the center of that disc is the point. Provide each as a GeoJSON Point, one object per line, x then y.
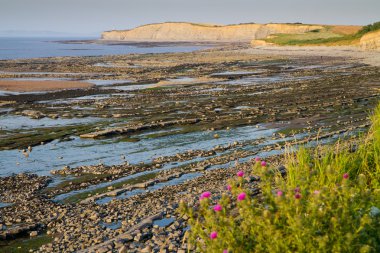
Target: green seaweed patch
{"type": "Point", "coordinates": [204, 126]}
{"type": "Point", "coordinates": [163, 134]}
{"type": "Point", "coordinates": [128, 139]}
{"type": "Point", "coordinates": [83, 195]}
{"type": "Point", "coordinates": [17, 139]}
{"type": "Point", "coordinates": [158, 88]}
{"type": "Point", "coordinates": [77, 181]}
{"type": "Point", "coordinates": [290, 131]}
{"type": "Point", "coordinates": [24, 245]}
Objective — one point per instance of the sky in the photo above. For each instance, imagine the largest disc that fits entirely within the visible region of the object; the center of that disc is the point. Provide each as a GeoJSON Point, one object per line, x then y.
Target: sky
{"type": "Point", "coordinates": [91, 17]}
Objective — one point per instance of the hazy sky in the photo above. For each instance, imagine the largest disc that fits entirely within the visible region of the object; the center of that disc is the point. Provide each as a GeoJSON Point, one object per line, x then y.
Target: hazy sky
{"type": "Point", "coordinates": [93, 16]}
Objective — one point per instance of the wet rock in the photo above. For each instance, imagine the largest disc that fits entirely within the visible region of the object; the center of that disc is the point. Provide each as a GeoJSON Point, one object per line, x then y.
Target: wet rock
{"type": "Point", "coordinates": [33, 114]}
{"type": "Point", "coordinates": [123, 249]}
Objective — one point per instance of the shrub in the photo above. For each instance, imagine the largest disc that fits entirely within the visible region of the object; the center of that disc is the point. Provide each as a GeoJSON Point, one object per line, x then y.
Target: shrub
{"type": "Point", "coordinates": [369, 28]}
{"type": "Point", "coordinates": [329, 201]}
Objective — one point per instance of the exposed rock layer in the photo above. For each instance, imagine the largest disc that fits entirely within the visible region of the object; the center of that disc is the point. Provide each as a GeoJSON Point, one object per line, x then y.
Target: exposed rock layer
{"type": "Point", "coordinates": [198, 32]}
{"type": "Point", "coordinates": [370, 41]}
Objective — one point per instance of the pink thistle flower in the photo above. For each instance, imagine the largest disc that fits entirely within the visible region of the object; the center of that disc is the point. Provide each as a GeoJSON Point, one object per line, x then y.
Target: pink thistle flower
{"type": "Point", "coordinates": [213, 235]}
{"type": "Point", "coordinates": [297, 189]}
{"type": "Point", "coordinates": [279, 193]}
{"type": "Point", "coordinates": [346, 176]}
{"type": "Point", "coordinates": [257, 159]}
{"type": "Point", "coordinates": [206, 195]}
{"type": "Point", "coordinates": [264, 163]}
{"type": "Point", "coordinates": [241, 196]}
{"type": "Point", "coordinates": [240, 173]}
{"type": "Point", "coordinates": [297, 195]}
{"type": "Point", "coordinates": [225, 251]}
{"type": "Point", "coordinates": [316, 192]}
{"type": "Point", "coordinates": [218, 208]}
{"type": "Point", "coordinates": [229, 187]}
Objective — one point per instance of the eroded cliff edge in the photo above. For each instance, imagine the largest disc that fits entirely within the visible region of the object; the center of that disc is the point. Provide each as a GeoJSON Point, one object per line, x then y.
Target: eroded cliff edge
{"type": "Point", "coordinates": [370, 41]}
{"type": "Point", "coordinates": [201, 32]}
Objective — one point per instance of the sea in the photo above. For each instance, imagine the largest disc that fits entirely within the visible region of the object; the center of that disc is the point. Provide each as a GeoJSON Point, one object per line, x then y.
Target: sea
{"type": "Point", "coordinates": [28, 47]}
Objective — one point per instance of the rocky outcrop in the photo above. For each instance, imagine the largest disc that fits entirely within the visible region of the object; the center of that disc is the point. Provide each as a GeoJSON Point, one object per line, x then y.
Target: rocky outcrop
{"type": "Point", "coordinates": [260, 43]}
{"type": "Point", "coordinates": [133, 129]}
{"type": "Point", "coordinates": [200, 32]}
{"type": "Point", "coordinates": [371, 41]}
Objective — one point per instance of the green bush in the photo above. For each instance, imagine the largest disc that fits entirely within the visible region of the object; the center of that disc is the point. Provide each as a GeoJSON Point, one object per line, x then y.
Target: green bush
{"type": "Point", "coordinates": [369, 28]}
{"type": "Point", "coordinates": [329, 201]}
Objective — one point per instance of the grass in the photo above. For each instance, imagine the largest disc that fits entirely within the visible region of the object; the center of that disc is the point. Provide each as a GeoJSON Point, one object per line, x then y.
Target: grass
{"type": "Point", "coordinates": [176, 22]}
{"type": "Point", "coordinates": [328, 36]}
{"type": "Point", "coordinates": [313, 38]}
{"type": "Point", "coordinates": [24, 245]}
{"type": "Point", "coordinates": [329, 201]}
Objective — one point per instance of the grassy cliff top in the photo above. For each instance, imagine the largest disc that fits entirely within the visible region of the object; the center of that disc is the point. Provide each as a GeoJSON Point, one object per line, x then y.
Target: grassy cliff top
{"type": "Point", "coordinates": [330, 35]}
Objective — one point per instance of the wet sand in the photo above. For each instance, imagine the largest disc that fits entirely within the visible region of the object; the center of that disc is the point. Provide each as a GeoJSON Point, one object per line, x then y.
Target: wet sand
{"type": "Point", "coordinates": [28, 86]}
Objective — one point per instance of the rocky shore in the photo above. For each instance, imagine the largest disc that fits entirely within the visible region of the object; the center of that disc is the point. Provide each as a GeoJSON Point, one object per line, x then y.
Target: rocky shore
{"type": "Point", "coordinates": [35, 86]}
{"type": "Point", "coordinates": [165, 143]}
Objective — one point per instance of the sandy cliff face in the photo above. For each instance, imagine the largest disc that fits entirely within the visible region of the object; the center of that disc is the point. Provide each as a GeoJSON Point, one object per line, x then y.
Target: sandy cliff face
{"type": "Point", "coordinates": [195, 32]}
{"type": "Point", "coordinates": [371, 41]}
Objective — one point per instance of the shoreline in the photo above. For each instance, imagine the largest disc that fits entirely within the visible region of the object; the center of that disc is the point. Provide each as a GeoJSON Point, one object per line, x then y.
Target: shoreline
{"type": "Point", "coordinates": [144, 43]}
{"type": "Point", "coordinates": [351, 52]}
{"type": "Point", "coordinates": [370, 57]}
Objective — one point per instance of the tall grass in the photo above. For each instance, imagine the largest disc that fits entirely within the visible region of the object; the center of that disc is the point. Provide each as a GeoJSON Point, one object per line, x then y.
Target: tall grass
{"type": "Point", "coordinates": [329, 201]}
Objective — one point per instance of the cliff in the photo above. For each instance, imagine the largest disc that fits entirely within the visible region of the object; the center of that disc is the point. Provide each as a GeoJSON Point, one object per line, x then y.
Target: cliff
{"type": "Point", "coordinates": [200, 32]}
{"type": "Point", "coordinates": [370, 41]}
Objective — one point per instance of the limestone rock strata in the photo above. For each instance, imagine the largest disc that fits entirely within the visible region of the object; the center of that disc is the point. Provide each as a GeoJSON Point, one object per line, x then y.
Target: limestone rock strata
{"type": "Point", "coordinates": [200, 32]}
{"type": "Point", "coordinates": [370, 41]}
{"type": "Point", "coordinates": [126, 130]}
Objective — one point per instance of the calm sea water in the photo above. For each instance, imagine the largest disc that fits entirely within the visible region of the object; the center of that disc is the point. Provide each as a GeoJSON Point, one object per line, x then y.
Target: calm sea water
{"type": "Point", "coordinates": [19, 48]}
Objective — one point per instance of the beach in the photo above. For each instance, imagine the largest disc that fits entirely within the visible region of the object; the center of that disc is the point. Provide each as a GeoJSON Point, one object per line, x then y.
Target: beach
{"type": "Point", "coordinates": [351, 53]}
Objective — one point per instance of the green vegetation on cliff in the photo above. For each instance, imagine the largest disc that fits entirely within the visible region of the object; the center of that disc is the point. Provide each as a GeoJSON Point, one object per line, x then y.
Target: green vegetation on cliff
{"type": "Point", "coordinates": [328, 36]}
{"type": "Point", "coordinates": [369, 28]}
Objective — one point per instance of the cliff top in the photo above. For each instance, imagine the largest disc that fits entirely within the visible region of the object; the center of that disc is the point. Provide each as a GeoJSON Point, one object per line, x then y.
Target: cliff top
{"type": "Point", "coordinates": [355, 27]}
